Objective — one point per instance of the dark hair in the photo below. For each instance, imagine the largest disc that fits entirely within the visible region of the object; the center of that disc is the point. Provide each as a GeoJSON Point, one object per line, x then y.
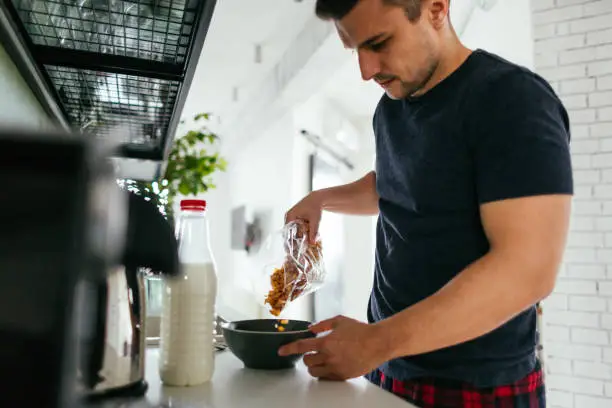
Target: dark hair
{"type": "Point", "coordinates": [337, 9]}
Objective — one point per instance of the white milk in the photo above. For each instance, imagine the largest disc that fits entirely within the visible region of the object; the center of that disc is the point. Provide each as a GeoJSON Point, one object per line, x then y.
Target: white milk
{"type": "Point", "coordinates": [187, 322]}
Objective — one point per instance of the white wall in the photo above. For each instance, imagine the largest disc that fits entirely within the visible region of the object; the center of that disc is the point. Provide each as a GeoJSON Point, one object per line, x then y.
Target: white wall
{"type": "Point", "coordinates": [504, 30]}
{"type": "Point", "coordinates": [18, 105]}
{"type": "Point", "coordinates": [573, 50]}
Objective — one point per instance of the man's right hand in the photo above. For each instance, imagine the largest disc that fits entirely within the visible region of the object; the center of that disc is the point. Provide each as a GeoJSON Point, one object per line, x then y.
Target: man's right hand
{"type": "Point", "coordinates": [308, 209]}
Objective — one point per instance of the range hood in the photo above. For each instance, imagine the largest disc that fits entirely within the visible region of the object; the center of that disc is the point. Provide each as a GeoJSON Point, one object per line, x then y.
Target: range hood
{"type": "Point", "coordinates": [110, 69]}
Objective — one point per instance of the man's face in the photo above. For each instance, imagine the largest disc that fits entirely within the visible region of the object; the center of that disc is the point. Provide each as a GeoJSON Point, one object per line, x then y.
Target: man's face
{"type": "Point", "coordinates": [398, 54]}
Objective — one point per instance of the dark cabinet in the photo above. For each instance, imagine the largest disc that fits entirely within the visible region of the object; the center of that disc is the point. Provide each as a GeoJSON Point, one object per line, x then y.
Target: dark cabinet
{"type": "Point", "coordinates": [110, 69]}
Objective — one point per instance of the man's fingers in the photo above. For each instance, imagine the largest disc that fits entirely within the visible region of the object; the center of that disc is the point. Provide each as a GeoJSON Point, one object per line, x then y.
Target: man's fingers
{"type": "Point", "coordinates": [324, 372]}
{"type": "Point", "coordinates": [289, 216]}
{"type": "Point", "coordinates": [312, 234]}
{"type": "Point", "coordinates": [319, 371]}
{"type": "Point", "coordinates": [322, 327]}
{"type": "Point", "coordinates": [300, 347]}
{"type": "Point", "coordinates": [314, 229]}
{"type": "Point", "coordinates": [326, 325]}
{"type": "Point", "coordinates": [315, 359]}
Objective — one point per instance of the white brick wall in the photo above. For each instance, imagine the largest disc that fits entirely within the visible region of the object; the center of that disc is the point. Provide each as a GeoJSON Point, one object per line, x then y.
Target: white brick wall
{"type": "Point", "coordinates": [573, 51]}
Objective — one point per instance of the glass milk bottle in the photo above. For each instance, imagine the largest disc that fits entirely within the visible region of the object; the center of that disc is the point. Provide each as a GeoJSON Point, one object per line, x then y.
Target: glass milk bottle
{"type": "Point", "coordinates": [186, 353]}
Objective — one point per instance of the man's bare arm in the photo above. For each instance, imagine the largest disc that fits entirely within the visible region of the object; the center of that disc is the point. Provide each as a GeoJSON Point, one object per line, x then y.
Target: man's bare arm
{"type": "Point", "coordinates": [357, 198]}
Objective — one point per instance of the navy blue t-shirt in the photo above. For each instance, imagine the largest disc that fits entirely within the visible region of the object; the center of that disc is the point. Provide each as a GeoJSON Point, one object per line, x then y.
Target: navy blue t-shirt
{"type": "Point", "coordinates": [492, 130]}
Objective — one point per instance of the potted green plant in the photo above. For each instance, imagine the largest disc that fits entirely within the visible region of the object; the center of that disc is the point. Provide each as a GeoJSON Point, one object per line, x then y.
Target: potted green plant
{"type": "Point", "coordinates": [189, 169]}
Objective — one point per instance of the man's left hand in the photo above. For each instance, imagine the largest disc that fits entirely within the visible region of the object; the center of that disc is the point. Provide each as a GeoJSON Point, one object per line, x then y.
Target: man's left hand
{"type": "Point", "coordinates": [350, 350]}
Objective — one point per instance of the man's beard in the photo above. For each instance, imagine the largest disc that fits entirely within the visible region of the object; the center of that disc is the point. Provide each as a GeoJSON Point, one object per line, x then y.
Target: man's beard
{"type": "Point", "coordinates": [411, 88]}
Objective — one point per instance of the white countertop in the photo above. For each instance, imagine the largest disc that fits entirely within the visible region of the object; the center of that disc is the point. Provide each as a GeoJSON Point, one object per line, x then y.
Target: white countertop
{"type": "Point", "coordinates": [233, 386]}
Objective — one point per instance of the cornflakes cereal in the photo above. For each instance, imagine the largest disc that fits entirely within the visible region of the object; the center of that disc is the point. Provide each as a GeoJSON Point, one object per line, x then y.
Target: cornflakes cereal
{"type": "Point", "coordinates": [288, 282]}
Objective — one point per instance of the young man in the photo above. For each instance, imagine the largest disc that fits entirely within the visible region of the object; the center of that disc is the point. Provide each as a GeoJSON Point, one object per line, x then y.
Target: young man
{"type": "Point", "coordinates": [473, 188]}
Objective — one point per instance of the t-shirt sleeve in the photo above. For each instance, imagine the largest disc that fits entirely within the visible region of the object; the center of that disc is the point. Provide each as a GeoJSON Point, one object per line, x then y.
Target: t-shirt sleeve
{"type": "Point", "coordinates": [520, 140]}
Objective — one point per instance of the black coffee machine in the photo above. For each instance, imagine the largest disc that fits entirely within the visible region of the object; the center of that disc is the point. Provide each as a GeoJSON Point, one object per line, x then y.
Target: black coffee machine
{"type": "Point", "coordinates": [63, 224]}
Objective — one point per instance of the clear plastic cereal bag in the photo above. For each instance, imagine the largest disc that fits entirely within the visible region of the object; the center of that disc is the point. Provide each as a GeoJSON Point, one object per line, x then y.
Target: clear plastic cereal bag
{"type": "Point", "coordinates": [297, 269]}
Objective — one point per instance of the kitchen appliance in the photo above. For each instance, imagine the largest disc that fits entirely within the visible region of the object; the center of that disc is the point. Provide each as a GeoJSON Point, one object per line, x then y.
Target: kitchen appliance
{"type": "Point", "coordinates": [115, 365]}
{"type": "Point", "coordinates": [61, 224]}
{"type": "Point", "coordinates": [72, 248]}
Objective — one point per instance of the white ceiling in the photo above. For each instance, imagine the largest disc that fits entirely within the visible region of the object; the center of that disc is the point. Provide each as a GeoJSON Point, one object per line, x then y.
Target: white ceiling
{"type": "Point", "coordinates": [228, 55]}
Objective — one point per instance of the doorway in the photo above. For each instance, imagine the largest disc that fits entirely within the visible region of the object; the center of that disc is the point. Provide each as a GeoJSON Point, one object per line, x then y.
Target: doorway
{"type": "Point", "coordinates": [328, 300]}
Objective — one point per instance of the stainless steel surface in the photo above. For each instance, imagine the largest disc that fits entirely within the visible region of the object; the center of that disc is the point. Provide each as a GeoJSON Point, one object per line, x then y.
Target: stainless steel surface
{"type": "Point", "coordinates": [123, 347]}
{"type": "Point", "coordinates": [219, 340]}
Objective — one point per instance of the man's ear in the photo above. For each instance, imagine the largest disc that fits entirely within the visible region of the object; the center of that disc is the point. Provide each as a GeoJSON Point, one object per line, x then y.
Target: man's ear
{"type": "Point", "coordinates": [438, 12]}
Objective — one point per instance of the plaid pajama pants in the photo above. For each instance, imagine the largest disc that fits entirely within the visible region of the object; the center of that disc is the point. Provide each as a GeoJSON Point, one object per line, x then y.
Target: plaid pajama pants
{"type": "Point", "coordinates": [528, 392]}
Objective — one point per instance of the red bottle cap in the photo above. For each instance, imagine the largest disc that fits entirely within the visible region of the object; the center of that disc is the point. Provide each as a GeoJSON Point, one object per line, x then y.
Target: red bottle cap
{"type": "Point", "coordinates": [194, 205]}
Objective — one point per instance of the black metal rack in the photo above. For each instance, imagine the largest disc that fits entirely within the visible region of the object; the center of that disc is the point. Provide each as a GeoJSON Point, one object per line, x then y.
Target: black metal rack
{"type": "Point", "coordinates": [116, 69]}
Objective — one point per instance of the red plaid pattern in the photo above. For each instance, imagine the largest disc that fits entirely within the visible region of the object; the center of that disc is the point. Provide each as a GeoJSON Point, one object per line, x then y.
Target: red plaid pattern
{"type": "Point", "coordinates": [528, 392]}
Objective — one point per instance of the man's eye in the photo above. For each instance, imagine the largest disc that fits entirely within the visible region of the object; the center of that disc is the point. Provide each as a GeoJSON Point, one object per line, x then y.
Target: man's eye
{"type": "Point", "coordinates": [378, 46]}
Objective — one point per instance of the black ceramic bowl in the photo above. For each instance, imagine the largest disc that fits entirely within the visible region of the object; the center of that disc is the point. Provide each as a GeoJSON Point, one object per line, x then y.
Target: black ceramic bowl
{"type": "Point", "coordinates": [256, 342]}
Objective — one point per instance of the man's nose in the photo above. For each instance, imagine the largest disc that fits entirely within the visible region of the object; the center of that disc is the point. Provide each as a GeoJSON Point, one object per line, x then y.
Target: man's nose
{"type": "Point", "coordinates": [368, 64]}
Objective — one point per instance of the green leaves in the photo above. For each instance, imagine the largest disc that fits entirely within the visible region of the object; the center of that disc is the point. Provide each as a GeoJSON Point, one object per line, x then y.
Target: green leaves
{"type": "Point", "coordinates": [190, 164]}
{"type": "Point", "coordinates": [184, 187]}
{"type": "Point", "coordinates": [189, 168]}
{"type": "Point", "coordinates": [200, 116]}
{"type": "Point", "coordinates": [221, 164]}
